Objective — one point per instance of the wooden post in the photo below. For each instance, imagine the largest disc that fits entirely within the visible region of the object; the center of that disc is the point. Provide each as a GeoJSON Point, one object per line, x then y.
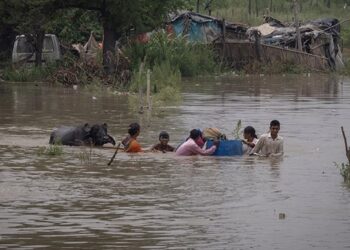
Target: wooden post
{"type": "Point", "coordinates": [347, 150]}
{"type": "Point", "coordinates": [148, 88]}
{"type": "Point", "coordinates": [249, 7]}
{"type": "Point", "coordinates": [223, 40]}
{"type": "Point", "coordinates": [298, 44]}
{"type": "Point", "coordinates": [140, 86]}
{"type": "Point", "coordinates": [257, 44]}
{"type": "Point", "coordinates": [197, 9]}
{"type": "Point", "coordinates": [270, 6]}
{"type": "Point", "coordinates": [256, 8]}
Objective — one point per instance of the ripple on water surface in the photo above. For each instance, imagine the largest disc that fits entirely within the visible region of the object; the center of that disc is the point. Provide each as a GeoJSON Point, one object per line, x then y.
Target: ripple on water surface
{"type": "Point", "coordinates": [75, 200]}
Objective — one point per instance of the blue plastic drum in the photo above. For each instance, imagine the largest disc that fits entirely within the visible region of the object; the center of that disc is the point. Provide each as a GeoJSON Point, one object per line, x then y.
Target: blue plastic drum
{"type": "Point", "coordinates": [227, 148]}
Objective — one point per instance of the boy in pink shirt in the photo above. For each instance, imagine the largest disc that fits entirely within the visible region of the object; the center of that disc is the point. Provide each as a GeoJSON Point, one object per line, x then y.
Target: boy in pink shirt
{"type": "Point", "coordinates": [193, 145]}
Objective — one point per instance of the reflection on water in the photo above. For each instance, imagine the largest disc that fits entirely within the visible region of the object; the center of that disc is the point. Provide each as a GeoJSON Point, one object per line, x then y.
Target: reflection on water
{"type": "Point", "coordinates": [161, 201]}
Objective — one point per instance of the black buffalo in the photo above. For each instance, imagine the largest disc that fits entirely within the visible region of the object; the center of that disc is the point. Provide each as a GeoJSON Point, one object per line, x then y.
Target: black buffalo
{"type": "Point", "coordinates": [82, 135]}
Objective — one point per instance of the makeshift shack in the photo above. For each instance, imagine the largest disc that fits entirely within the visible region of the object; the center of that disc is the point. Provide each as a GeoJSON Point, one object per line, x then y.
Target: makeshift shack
{"type": "Point", "coordinates": [204, 29]}
{"type": "Point", "coordinates": [271, 42]}
{"type": "Point", "coordinates": [318, 37]}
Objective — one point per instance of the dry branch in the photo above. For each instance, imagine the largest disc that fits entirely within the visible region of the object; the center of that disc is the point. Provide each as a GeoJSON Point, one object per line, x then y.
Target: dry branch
{"type": "Point", "coordinates": [347, 150]}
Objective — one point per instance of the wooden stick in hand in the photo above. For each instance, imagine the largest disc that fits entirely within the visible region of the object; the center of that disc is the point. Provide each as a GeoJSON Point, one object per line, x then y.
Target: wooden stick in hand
{"type": "Point", "coordinates": [115, 153]}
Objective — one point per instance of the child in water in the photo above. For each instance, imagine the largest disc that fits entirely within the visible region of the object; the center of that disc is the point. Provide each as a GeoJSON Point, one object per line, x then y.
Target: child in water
{"type": "Point", "coordinates": [250, 140]}
{"type": "Point", "coordinates": [130, 143]}
{"type": "Point", "coordinates": [163, 145]}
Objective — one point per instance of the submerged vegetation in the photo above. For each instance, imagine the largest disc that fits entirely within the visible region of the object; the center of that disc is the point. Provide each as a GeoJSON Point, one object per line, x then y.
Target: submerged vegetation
{"type": "Point", "coordinates": [237, 130]}
{"type": "Point", "coordinates": [344, 169]}
{"type": "Point", "coordinates": [85, 156]}
{"type": "Point", "coordinates": [51, 150]}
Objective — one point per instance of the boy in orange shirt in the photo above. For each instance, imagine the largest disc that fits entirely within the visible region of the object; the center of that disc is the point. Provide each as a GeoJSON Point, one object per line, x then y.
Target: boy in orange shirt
{"type": "Point", "coordinates": [130, 143]}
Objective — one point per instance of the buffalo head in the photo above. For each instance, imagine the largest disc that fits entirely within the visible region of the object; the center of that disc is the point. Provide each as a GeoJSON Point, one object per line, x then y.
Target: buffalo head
{"type": "Point", "coordinates": [99, 136]}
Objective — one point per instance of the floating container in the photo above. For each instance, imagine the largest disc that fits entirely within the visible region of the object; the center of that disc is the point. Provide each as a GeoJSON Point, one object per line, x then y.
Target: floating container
{"type": "Point", "coordinates": [227, 148]}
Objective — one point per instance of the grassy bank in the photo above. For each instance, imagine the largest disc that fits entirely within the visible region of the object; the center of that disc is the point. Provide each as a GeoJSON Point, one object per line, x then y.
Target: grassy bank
{"type": "Point", "coordinates": [27, 74]}
{"type": "Point", "coordinates": [190, 59]}
{"type": "Point", "coordinates": [169, 59]}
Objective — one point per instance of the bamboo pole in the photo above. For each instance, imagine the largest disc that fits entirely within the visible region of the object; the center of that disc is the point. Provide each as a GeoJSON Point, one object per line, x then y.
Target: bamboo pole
{"type": "Point", "coordinates": [223, 41]}
{"type": "Point", "coordinates": [140, 86]}
{"type": "Point", "coordinates": [148, 92]}
{"type": "Point", "coordinates": [296, 12]}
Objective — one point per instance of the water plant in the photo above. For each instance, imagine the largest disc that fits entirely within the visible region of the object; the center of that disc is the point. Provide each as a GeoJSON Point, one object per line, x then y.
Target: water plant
{"type": "Point", "coordinates": [52, 150]}
{"type": "Point", "coordinates": [237, 130]}
{"type": "Point", "coordinates": [344, 169]}
{"type": "Point", "coordinates": [85, 156]}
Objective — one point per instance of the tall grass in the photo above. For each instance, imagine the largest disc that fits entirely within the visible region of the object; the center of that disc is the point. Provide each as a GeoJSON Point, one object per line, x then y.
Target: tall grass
{"type": "Point", "coordinates": [27, 74]}
{"type": "Point", "coordinates": [52, 150]}
{"type": "Point", "coordinates": [189, 58]}
{"type": "Point", "coordinates": [169, 58]}
{"type": "Point", "coordinates": [165, 83]}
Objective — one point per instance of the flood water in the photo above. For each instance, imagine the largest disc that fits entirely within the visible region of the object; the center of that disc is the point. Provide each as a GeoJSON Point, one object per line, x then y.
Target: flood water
{"type": "Point", "coordinates": [159, 201]}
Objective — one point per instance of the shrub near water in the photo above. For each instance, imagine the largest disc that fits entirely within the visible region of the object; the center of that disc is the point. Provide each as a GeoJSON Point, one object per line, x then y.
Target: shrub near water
{"type": "Point", "coordinates": [168, 58]}
{"type": "Point", "coordinates": [27, 74]}
{"type": "Point", "coordinates": [190, 58]}
{"type": "Point", "coordinates": [165, 84]}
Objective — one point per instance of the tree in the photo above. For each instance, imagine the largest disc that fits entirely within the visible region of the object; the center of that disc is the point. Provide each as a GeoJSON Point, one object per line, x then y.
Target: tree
{"type": "Point", "coordinates": [29, 17]}
{"type": "Point", "coordinates": [120, 16]}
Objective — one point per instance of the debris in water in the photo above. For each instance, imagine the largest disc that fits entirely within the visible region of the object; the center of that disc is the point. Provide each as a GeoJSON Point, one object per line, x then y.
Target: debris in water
{"type": "Point", "coordinates": [281, 216]}
{"type": "Point", "coordinates": [75, 87]}
{"type": "Point", "coordinates": [94, 98]}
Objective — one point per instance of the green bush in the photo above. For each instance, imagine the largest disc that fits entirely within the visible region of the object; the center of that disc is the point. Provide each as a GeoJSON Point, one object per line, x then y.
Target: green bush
{"type": "Point", "coordinates": [165, 81]}
{"type": "Point", "coordinates": [345, 33]}
{"type": "Point", "coordinates": [346, 69]}
{"type": "Point", "coordinates": [190, 58]}
{"type": "Point", "coordinates": [27, 74]}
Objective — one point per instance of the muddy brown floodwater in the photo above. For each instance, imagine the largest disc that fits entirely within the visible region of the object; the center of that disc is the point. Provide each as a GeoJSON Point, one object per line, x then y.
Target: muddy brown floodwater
{"type": "Point", "coordinates": [159, 201]}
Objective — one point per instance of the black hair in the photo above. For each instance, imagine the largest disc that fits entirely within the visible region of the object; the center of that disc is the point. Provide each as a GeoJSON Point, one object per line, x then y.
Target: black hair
{"type": "Point", "coordinates": [250, 130]}
{"type": "Point", "coordinates": [133, 128]}
{"type": "Point", "coordinates": [275, 123]}
{"type": "Point", "coordinates": [195, 133]}
{"type": "Point", "coordinates": [164, 135]}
